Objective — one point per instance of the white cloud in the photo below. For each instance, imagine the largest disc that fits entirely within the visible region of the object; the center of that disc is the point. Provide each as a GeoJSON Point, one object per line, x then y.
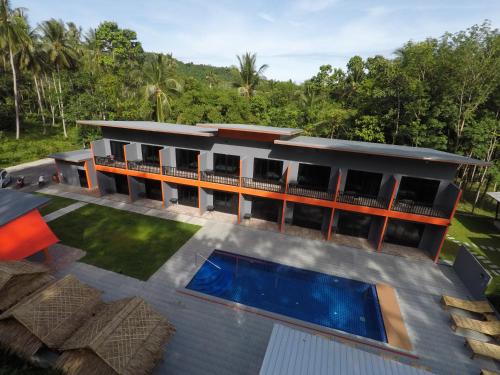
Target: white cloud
{"type": "Point", "coordinates": [266, 17]}
{"type": "Point", "coordinates": [313, 5]}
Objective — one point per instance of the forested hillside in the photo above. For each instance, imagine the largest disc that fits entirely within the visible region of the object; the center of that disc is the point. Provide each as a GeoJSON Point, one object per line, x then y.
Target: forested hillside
{"type": "Point", "coordinates": [442, 92]}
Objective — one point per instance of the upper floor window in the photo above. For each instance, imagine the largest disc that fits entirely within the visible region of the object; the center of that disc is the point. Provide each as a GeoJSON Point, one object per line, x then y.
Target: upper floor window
{"type": "Point", "coordinates": [227, 164]}
{"type": "Point", "coordinates": [361, 182]}
{"type": "Point", "coordinates": [186, 159]}
{"type": "Point", "coordinates": [418, 190]}
{"type": "Point", "coordinates": [117, 150]}
{"type": "Point", "coordinates": [314, 176]}
{"type": "Point", "coordinates": [267, 169]}
{"type": "Point", "coordinates": [151, 154]}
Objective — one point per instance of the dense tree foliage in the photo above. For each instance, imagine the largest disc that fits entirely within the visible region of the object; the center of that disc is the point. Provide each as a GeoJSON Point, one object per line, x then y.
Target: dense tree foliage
{"type": "Point", "coordinates": [442, 93]}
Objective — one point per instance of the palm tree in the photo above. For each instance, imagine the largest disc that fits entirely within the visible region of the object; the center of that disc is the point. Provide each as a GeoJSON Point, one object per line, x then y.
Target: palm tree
{"type": "Point", "coordinates": [247, 75]}
{"type": "Point", "coordinates": [60, 49]}
{"type": "Point", "coordinates": [13, 36]}
{"type": "Point", "coordinates": [161, 88]}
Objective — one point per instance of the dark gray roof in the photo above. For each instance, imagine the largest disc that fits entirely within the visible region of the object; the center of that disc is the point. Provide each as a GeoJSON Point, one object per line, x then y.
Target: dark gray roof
{"type": "Point", "coordinates": [255, 128]}
{"type": "Point", "coordinates": [76, 156]}
{"type": "Point", "coordinates": [15, 203]}
{"type": "Point", "coordinates": [407, 152]}
{"type": "Point", "coordinates": [151, 126]}
{"type": "Point", "coordinates": [294, 352]}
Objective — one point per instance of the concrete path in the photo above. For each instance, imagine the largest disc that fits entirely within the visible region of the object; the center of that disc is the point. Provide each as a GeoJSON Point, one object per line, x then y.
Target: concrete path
{"type": "Point", "coordinates": [103, 201]}
{"type": "Point", "coordinates": [63, 211]}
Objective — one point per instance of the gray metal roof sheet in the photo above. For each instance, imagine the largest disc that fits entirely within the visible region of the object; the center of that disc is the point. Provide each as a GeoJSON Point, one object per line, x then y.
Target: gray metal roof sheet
{"type": "Point", "coordinates": [495, 195]}
{"type": "Point", "coordinates": [407, 152]}
{"type": "Point", "coordinates": [151, 126]}
{"type": "Point", "coordinates": [255, 128]}
{"type": "Point", "coordinates": [14, 204]}
{"type": "Point", "coordinates": [76, 156]}
{"type": "Point", "coordinates": [293, 352]}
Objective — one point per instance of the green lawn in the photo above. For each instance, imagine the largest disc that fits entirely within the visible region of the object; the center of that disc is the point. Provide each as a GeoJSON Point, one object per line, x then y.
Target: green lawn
{"type": "Point", "coordinates": [54, 204]}
{"type": "Point", "coordinates": [33, 144]}
{"type": "Point", "coordinates": [121, 241]}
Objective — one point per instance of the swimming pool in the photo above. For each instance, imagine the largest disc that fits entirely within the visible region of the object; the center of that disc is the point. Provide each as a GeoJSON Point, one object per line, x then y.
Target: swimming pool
{"type": "Point", "coordinates": [330, 301]}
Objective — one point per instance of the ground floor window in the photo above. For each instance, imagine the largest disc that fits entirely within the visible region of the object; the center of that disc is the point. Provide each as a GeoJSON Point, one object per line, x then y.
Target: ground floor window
{"type": "Point", "coordinates": [308, 216]}
{"type": "Point", "coordinates": [353, 224]}
{"type": "Point", "coordinates": [82, 176]}
{"type": "Point", "coordinates": [153, 189]}
{"type": "Point", "coordinates": [187, 195]}
{"type": "Point", "coordinates": [225, 202]}
{"type": "Point", "coordinates": [121, 183]}
{"type": "Point", "coordinates": [405, 233]}
{"type": "Point", "coordinates": [266, 209]}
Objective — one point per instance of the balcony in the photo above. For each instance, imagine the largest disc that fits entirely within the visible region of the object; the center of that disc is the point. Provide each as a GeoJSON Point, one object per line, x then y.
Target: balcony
{"type": "Point", "coordinates": [412, 207]}
{"type": "Point", "coordinates": [110, 161]}
{"type": "Point", "coordinates": [220, 178]}
{"type": "Point", "coordinates": [261, 184]}
{"type": "Point", "coordinates": [362, 200]}
{"type": "Point", "coordinates": [303, 191]}
{"type": "Point", "coordinates": [182, 173]}
{"type": "Point", "coordinates": [143, 166]}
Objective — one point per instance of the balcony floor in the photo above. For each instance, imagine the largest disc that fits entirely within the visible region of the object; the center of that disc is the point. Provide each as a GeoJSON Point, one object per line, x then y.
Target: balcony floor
{"type": "Point", "coordinates": [406, 252]}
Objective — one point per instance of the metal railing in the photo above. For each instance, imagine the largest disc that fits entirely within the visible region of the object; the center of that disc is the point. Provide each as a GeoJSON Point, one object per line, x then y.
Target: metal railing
{"type": "Point", "coordinates": [109, 161]}
{"type": "Point", "coordinates": [310, 192]}
{"type": "Point", "coordinates": [362, 200]}
{"type": "Point", "coordinates": [220, 178]}
{"type": "Point", "coordinates": [144, 166]}
{"type": "Point", "coordinates": [173, 171]}
{"type": "Point", "coordinates": [260, 184]}
{"type": "Point", "coordinates": [420, 209]}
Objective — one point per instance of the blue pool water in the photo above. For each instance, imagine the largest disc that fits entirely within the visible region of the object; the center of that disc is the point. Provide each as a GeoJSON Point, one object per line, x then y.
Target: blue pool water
{"type": "Point", "coordinates": [334, 302]}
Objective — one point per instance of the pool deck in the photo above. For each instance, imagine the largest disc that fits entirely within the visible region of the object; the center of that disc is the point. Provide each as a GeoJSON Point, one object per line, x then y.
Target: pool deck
{"type": "Point", "coordinates": [216, 339]}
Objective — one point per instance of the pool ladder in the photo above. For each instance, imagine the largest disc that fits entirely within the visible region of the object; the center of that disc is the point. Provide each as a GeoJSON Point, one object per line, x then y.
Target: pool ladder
{"type": "Point", "coordinates": [208, 260]}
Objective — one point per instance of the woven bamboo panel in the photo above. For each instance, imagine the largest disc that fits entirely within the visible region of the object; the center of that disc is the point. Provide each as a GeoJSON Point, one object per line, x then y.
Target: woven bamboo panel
{"type": "Point", "coordinates": [12, 268]}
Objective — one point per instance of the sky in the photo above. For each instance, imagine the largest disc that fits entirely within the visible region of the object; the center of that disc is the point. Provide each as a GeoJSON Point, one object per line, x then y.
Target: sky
{"type": "Point", "coordinates": [293, 37]}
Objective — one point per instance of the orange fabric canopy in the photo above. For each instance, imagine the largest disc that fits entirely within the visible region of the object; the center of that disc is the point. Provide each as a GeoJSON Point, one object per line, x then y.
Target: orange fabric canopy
{"type": "Point", "coordinates": [25, 236]}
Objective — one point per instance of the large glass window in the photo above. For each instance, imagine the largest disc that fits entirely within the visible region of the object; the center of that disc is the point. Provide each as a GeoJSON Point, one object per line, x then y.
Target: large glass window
{"type": "Point", "coordinates": [266, 209]}
{"type": "Point", "coordinates": [354, 224]}
{"type": "Point", "coordinates": [225, 202]}
{"type": "Point", "coordinates": [187, 160]}
{"type": "Point", "coordinates": [188, 195]}
{"type": "Point", "coordinates": [419, 190]}
{"type": "Point", "coordinates": [153, 189]}
{"type": "Point", "coordinates": [117, 150]}
{"type": "Point", "coordinates": [308, 216]}
{"type": "Point", "coordinates": [314, 176]}
{"type": "Point", "coordinates": [267, 169]}
{"type": "Point", "coordinates": [151, 154]}
{"type": "Point", "coordinates": [227, 164]}
{"type": "Point", "coordinates": [364, 183]}
{"type": "Point", "coordinates": [404, 233]}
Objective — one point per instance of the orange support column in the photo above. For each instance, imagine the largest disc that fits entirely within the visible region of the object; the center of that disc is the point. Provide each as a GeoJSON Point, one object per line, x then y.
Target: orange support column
{"type": "Point", "coordinates": [95, 170]}
{"type": "Point", "coordinates": [199, 187]}
{"type": "Point", "coordinates": [87, 174]}
{"type": "Point", "coordinates": [283, 210]}
{"type": "Point", "coordinates": [335, 195]}
{"type": "Point", "coordinates": [239, 193]}
{"type": "Point", "coordinates": [386, 218]}
{"type": "Point", "coordinates": [436, 258]}
{"type": "Point", "coordinates": [161, 182]}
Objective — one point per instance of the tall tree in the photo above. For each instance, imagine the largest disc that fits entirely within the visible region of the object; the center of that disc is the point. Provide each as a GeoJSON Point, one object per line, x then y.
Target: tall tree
{"type": "Point", "coordinates": [13, 36]}
{"type": "Point", "coordinates": [59, 46]}
{"type": "Point", "coordinates": [160, 87]}
{"type": "Point", "coordinates": [247, 74]}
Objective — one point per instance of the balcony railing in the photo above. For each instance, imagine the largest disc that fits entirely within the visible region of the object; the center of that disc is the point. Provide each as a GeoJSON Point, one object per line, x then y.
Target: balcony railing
{"type": "Point", "coordinates": [260, 184]}
{"type": "Point", "coordinates": [413, 207]}
{"type": "Point", "coordinates": [311, 192]}
{"type": "Point", "coordinates": [175, 172]}
{"type": "Point", "coordinates": [362, 200]}
{"type": "Point", "coordinates": [144, 166]}
{"type": "Point", "coordinates": [220, 178]}
{"type": "Point", "coordinates": [109, 161]}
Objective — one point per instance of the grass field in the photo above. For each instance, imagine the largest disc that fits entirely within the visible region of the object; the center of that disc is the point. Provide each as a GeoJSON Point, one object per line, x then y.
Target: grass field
{"type": "Point", "coordinates": [54, 204]}
{"type": "Point", "coordinates": [120, 241]}
{"type": "Point", "coordinates": [33, 144]}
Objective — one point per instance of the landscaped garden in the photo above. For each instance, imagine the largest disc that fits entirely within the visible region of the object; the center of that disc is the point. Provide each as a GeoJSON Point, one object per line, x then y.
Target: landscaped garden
{"type": "Point", "coordinates": [121, 241]}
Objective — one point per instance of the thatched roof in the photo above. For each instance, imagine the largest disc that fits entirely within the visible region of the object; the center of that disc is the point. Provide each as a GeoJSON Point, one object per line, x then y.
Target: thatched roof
{"type": "Point", "coordinates": [48, 316]}
{"type": "Point", "coordinates": [20, 278]}
{"type": "Point", "coordinates": [125, 337]}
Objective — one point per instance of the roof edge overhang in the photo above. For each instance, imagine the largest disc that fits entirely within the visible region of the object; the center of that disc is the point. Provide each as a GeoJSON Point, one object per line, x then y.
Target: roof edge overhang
{"type": "Point", "coordinates": [236, 127]}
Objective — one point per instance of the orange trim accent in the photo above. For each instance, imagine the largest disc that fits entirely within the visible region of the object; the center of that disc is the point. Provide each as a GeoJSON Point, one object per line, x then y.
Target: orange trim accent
{"type": "Point", "coordinates": [283, 208]}
{"type": "Point", "coordinates": [87, 175]}
{"type": "Point", "coordinates": [393, 195]}
{"type": "Point", "coordinates": [239, 134]}
{"type": "Point", "coordinates": [239, 194]}
{"type": "Point", "coordinates": [128, 176]}
{"type": "Point", "coordinates": [436, 258]}
{"type": "Point", "coordinates": [199, 187]}
{"type": "Point", "coordinates": [337, 188]}
{"type": "Point", "coordinates": [161, 182]}
{"type": "Point", "coordinates": [418, 218]}
{"type": "Point", "coordinates": [457, 201]}
{"type": "Point", "coordinates": [382, 234]}
{"type": "Point", "coordinates": [93, 162]}
{"type": "Point", "coordinates": [329, 233]}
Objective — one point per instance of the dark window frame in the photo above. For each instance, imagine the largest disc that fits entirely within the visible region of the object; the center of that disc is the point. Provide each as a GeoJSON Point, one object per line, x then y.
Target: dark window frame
{"type": "Point", "coordinates": [227, 164]}
{"type": "Point", "coordinates": [117, 149]}
{"type": "Point", "coordinates": [186, 160]}
{"type": "Point", "coordinates": [268, 169]}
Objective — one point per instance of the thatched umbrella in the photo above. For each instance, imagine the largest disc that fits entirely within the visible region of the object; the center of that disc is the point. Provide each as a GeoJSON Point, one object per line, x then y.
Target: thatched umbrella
{"type": "Point", "coordinates": [19, 279]}
{"type": "Point", "coordinates": [125, 337]}
{"type": "Point", "coordinates": [48, 317]}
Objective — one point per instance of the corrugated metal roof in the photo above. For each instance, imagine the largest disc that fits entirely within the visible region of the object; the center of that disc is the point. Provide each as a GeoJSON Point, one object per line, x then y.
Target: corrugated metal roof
{"type": "Point", "coordinates": [76, 156]}
{"type": "Point", "coordinates": [255, 128]}
{"type": "Point", "coordinates": [14, 204]}
{"type": "Point", "coordinates": [151, 126]}
{"type": "Point", "coordinates": [420, 153]}
{"type": "Point", "coordinates": [293, 352]}
{"type": "Point", "coordinates": [495, 195]}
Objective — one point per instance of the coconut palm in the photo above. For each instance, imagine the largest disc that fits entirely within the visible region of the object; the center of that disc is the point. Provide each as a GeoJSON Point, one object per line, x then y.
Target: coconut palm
{"type": "Point", "coordinates": [59, 46]}
{"type": "Point", "coordinates": [161, 88]}
{"type": "Point", "coordinates": [13, 36]}
{"type": "Point", "coordinates": [247, 75]}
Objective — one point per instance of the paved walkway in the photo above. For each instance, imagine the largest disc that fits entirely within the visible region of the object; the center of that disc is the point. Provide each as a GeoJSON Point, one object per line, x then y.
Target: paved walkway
{"type": "Point", "coordinates": [63, 211]}
{"type": "Point", "coordinates": [215, 339]}
{"type": "Point", "coordinates": [475, 249]}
